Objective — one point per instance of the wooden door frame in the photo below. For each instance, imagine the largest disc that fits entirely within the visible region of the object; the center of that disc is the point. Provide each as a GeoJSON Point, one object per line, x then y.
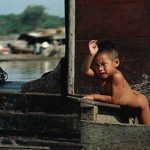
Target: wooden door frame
{"type": "Point", "coordinates": [70, 44]}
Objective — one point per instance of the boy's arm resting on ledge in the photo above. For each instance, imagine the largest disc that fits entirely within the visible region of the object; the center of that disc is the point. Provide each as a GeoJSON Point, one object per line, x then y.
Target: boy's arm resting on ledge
{"type": "Point", "coordinates": [95, 103]}
{"type": "Point", "coordinates": [101, 98]}
{"type": "Point", "coordinates": [117, 87]}
{"type": "Point", "coordinates": [98, 97]}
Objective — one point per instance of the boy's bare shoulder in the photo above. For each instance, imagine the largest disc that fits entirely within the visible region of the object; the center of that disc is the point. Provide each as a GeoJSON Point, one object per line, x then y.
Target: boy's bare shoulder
{"type": "Point", "coordinates": [118, 76]}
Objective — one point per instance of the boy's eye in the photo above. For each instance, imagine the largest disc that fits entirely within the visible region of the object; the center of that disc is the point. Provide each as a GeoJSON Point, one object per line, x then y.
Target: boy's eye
{"type": "Point", "coordinates": [96, 65]}
{"type": "Point", "coordinates": [104, 64]}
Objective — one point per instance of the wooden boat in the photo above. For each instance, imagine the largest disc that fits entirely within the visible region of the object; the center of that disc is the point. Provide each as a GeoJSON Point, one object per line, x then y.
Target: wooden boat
{"type": "Point", "coordinates": [20, 50]}
{"type": "Point", "coordinates": [49, 113]}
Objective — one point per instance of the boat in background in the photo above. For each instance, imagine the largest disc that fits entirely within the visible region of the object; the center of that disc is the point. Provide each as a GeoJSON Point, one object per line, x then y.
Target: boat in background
{"type": "Point", "coordinates": [50, 113]}
{"type": "Point", "coordinates": [45, 42]}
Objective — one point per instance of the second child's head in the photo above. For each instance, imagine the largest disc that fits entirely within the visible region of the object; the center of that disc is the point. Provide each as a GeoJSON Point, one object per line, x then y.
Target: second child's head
{"type": "Point", "coordinates": [106, 60]}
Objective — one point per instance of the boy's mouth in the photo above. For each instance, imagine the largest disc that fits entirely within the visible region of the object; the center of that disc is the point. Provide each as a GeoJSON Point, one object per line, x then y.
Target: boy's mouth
{"type": "Point", "coordinates": [102, 74]}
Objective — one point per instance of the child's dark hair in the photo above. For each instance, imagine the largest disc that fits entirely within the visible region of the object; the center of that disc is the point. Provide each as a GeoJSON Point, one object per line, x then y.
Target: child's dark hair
{"type": "Point", "coordinates": [107, 47]}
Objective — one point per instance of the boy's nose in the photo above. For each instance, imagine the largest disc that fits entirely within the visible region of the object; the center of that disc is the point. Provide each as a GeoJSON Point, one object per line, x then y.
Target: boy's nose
{"type": "Point", "coordinates": [101, 68]}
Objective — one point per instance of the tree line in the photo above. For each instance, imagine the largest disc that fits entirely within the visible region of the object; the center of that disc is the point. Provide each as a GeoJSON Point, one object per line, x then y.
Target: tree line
{"type": "Point", "coordinates": [31, 18]}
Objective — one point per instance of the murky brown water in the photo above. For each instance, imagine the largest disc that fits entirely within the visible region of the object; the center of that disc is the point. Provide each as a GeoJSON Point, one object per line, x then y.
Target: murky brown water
{"type": "Point", "coordinates": [27, 70]}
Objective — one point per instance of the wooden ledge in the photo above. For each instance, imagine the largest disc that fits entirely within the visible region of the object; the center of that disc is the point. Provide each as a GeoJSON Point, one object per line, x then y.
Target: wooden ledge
{"type": "Point", "coordinates": [93, 103]}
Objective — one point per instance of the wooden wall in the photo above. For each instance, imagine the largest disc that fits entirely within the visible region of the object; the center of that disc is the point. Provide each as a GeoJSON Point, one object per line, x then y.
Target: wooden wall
{"type": "Point", "coordinates": [124, 22]}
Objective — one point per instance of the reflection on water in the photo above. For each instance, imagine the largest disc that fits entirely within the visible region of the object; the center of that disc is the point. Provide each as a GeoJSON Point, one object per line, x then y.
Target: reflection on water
{"type": "Point", "coordinates": [28, 70]}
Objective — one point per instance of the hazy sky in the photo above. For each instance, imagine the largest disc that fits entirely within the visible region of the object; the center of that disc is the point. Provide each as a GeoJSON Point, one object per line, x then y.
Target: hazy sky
{"type": "Point", "coordinates": [53, 7]}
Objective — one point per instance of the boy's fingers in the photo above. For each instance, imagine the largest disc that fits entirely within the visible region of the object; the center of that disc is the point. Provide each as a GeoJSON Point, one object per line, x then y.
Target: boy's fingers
{"type": "Point", "coordinates": [93, 41]}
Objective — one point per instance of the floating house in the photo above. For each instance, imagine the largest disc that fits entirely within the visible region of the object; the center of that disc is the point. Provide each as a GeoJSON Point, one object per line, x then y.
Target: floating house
{"type": "Point", "coordinates": [49, 113]}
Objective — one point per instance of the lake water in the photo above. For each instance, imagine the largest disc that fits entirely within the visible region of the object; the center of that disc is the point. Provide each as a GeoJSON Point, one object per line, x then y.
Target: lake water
{"type": "Point", "coordinates": [28, 70]}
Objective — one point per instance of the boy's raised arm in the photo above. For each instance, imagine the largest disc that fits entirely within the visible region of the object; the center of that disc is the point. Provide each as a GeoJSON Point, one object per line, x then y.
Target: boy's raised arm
{"type": "Point", "coordinates": [86, 66]}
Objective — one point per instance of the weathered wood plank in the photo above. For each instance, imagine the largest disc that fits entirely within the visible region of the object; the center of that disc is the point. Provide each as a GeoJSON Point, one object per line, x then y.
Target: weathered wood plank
{"type": "Point", "coordinates": [52, 144]}
{"type": "Point", "coordinates": [8, 147]}
{"type": "Point", "coordinates": [38, 143]}
{"type": "Point", "coordinates": [39, 123]}
{"type": "Point", "coordinates": [37, 102]}
{"type": "Point", "coordinates": [120, 20]}
{"type": "Point", "coordinates": [107, 136]}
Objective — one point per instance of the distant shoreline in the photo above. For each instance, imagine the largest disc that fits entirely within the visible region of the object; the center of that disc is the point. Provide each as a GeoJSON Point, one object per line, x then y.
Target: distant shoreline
{"type": "Point", "coordinates": [25, 57]}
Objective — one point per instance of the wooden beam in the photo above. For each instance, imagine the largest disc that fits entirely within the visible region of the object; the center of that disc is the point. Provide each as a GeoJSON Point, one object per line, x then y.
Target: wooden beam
{"type": "Point", "coordinates": [96, 136]}
{"type": "Point", "coordinates": [84, 101]}
{"type": "Point", "coordinates": [71, 45]}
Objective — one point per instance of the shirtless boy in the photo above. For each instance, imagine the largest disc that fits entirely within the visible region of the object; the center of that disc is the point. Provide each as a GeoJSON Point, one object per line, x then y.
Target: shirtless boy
{"type": "Point", "coordinates": [113, 86]}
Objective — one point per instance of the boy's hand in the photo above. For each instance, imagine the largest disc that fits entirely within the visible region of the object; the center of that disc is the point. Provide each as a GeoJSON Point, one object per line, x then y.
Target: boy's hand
{"type": "Point", "coordinates": [93, 48]}
{"type": "Point", "coordinates": [89, 97]}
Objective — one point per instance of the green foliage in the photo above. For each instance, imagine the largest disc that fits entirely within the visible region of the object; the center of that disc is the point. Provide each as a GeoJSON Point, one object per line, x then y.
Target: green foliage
{"type": "Point", "coordinates": [9, 24]}
{"type": "Point", "coordinates": [31, 18]}
{"type": "Point", "coordinates": [53, 22]}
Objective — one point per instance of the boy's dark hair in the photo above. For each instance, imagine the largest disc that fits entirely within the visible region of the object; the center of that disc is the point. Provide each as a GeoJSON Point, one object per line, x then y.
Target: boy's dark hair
{"type": "Point", "coordinates": [107, 47]}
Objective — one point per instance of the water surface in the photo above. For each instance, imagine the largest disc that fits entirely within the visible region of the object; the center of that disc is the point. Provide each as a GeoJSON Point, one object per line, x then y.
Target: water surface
{"type": "Point", "coordinates": [28, 70]}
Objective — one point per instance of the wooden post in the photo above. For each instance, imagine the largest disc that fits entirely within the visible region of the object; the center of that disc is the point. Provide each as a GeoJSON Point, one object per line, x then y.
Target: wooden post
{"type": "Point", "coordinates": [70, 53]}
{"type": "Point", "coordinates": [89, 112]}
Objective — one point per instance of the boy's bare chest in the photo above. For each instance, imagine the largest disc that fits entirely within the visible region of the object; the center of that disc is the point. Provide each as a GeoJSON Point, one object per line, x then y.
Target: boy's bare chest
{"type": "Point", "coordinates": [105, 87]}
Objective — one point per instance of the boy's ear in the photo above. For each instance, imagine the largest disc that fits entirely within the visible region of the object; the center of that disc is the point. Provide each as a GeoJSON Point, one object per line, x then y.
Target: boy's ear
{"type": "Point", "coordinates": [116, 62]}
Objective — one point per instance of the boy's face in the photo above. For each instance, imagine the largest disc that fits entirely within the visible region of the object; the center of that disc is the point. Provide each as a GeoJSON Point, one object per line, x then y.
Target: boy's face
{"type": "Point", "coordinates": [104, 65]}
